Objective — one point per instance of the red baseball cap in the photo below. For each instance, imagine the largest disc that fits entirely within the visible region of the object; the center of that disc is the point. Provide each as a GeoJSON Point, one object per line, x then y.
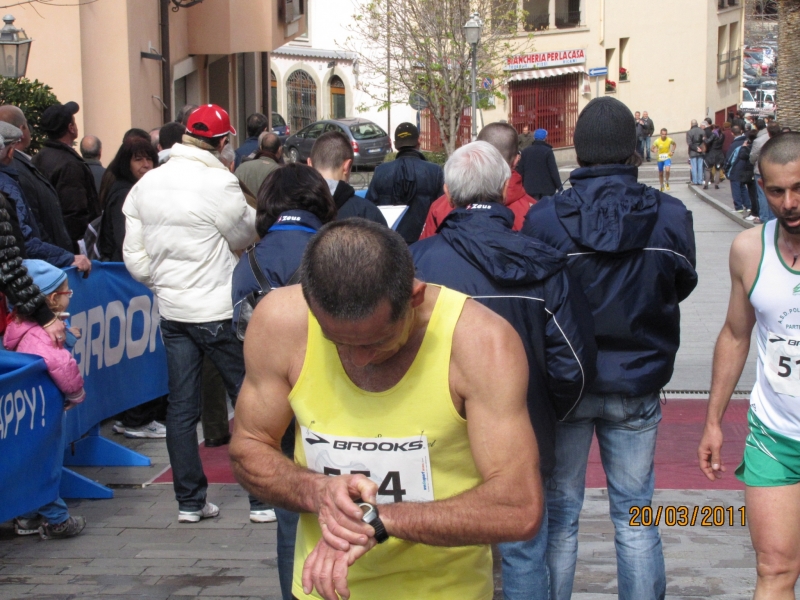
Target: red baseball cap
{"type": "Point", "coordinates": [210, 120]}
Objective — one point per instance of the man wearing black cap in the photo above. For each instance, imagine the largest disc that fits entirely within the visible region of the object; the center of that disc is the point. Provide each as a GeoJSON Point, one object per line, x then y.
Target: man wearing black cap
{"type": "Point", "coordinates": [408, 180]}
{"type": "Point", "coordinates": [632, 249]}
{"type": "Point", "coordinates": [67, 171]}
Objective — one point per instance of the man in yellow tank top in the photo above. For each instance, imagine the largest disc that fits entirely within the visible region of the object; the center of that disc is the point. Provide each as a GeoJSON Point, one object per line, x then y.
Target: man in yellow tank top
{"type": "Point", "coordinates": [414, 449]}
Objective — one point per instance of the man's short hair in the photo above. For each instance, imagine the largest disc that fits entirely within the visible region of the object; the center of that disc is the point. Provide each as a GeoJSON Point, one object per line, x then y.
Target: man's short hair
{"type": "Point", "coordinates": [736, 130]}
{"type": "Point", "coordinates": [351, 266]}
{"type": "Point", "coordinates": [184, 113]}
{"type": "Point", "coordinates": [256, 123]}
{"type": "Point", "coordinates": [476, 173]}
{"type": "Point", "coordinates": [664, 130]}
{"type": "Point", "coordinates": [694, 122]}
{"type": "Point", "coordinates": [331, 150]}
{"type": "Point", "coordinates": [503, 137]}
{"type": "Point", "coordinates": [773, 129]}
{"type": "Point", "coordinates": [269, 142]}
{"type": "Point", "coordinates": [781, 149]}
{"type": "Point", "coordinates": [91, 147]}
{"type": "Point", "coordinates": [170, 134]}
{"type": "Point", "coordinates": [761, 124]}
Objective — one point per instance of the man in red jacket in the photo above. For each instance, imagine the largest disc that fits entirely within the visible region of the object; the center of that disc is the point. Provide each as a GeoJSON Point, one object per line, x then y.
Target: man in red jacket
{"type": "Point", "coordinates": [506, 139]}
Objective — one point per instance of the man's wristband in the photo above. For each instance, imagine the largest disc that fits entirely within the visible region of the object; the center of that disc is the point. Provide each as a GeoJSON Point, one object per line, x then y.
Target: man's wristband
{"type": "Point", "coordinates": [371, 518]}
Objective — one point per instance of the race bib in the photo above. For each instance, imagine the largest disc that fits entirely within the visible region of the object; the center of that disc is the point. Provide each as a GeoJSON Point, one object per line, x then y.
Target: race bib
{"type": "Point", "coordinates": [400, 466]}
{"type": "Point", "coordinates": [663, 156]}
{"type": "Point", "coordinates": [782, 366]}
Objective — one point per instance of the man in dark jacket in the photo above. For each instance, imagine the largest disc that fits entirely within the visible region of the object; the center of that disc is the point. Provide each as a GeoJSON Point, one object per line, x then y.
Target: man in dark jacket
{"type": "Point", "coordinates": [648, 128]}
{"type": "Point", "coordinates": [408, 180]}
{"type": "Point", "coordinates": [256, 125]}
{"type": "Point", "coordinates": [538, 168]}
{"type": "Point", "coordinates": [526, 282]}
{"type": "Point", "coordinates": [332, 157]}
{"type": "Point", "coordinates": [67, 171]}
{"type": "Point", "coordinates": [741, 172]}
{"type": "Point", "coordinates": [632, 249]}
{"type": "Point", "coordinates": [694, 140]}
{"type": "Point", "coordinates": [39, 194]}
{"type": "Point", "coordinates": [91, 150]}
{"type": "Point", "coordinates": [35, 247]}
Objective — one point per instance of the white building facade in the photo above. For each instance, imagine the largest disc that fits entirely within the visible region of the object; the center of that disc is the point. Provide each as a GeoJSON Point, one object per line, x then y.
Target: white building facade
{"type": "Point", "coordinates": [678, 60]}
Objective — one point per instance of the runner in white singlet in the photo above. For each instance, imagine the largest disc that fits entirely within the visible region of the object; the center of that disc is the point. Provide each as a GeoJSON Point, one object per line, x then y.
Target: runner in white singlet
{"type": "Point", "coordinates": [765, 292]}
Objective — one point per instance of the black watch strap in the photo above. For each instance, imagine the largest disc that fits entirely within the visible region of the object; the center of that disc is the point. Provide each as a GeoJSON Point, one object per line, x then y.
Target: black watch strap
{"type": "Point", "coordinates": [380, 531]}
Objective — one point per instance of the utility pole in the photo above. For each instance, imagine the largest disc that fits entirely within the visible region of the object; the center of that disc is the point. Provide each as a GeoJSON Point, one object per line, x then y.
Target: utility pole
{"type": "Point", "coordinates": [388, 69]}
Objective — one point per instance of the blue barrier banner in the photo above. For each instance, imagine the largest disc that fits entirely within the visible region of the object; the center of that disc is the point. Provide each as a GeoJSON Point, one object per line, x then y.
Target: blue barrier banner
{"type": "Point", "coordinates": [31, 410]}
{"type": "Point", "coordinates": [120, 352]}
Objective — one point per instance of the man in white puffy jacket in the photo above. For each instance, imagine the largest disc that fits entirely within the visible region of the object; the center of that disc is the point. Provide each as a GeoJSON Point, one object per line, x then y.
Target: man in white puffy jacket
{"type": "Point", "coordinates": [183, 222]}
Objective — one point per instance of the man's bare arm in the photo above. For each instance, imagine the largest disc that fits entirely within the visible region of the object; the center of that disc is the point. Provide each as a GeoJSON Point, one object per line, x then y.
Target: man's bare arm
{"type": "Point", "coordinates": [274, 351]}
{"type": "Point", "coordinates": [732, 347]}
{"type": "Point", "coordinates": [489, 370]}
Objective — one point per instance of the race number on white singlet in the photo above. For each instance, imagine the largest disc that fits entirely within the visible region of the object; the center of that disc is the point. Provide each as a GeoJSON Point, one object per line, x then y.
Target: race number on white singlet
{"type": "Point", "coordinates": [400, 466]}
{"type": "Point", "coordinates": [664, 156]}
{"type": "Point", "coordinates": [782, 366]}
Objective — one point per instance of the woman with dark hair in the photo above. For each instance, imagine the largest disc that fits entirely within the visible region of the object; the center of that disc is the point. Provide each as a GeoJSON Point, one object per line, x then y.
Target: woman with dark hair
{"type": "Point", "coordinates": [293, 203]}
{"type": "Point", "coordinates": [715, 157]}
{"type": "Point", "coordinates": [135, 157]}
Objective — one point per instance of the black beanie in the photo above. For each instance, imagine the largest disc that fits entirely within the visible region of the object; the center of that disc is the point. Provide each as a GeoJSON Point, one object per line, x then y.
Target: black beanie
{"type": "Point", "coordinates": [605, 132]}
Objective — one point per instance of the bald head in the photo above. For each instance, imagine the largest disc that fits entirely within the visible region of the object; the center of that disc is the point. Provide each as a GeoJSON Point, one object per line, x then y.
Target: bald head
{"type": "Point", "coordinates": [14, 116]}
{"type": "Point", "coordinates": [694, 122]}
{"type": "Point", "coordinates": [504, 138]}
{"type": "Point", "coordinates": [91, 147]}
{"type": "Point", "coordinates": [269, 142]}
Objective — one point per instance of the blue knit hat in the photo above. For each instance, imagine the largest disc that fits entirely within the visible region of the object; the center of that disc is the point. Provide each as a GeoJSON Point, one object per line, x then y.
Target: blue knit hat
{"type": "Point", "coordinates": [540, 134]}
{"type": "Point", "coordinates": [45, 275]}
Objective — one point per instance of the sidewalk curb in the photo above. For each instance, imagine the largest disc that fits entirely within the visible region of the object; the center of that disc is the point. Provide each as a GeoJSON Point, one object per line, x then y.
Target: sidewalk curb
{"type": "Point", "coordinates": [714, 203]}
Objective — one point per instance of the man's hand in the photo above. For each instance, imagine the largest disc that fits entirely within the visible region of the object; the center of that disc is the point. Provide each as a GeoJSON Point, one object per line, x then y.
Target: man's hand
{"type": "Point", "coordinates": [83, 264]}
{"type": "Point", "coordinates": [339, 516]}
{"type": "Point", "coordinates": [326, 569]}
{"type": "Point", "coordinates": [709, 452]}
{"type": "Point", "coordinates": [56, 331]}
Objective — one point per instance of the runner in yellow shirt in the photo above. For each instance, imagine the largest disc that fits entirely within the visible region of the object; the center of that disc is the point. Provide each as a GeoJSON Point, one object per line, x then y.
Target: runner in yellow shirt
{"type": "Point", "coordinates": [664, 147]}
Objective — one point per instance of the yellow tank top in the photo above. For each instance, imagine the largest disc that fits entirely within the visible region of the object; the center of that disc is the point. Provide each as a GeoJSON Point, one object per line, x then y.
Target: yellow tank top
{"type": "Point", "coordinates": [411, 441]}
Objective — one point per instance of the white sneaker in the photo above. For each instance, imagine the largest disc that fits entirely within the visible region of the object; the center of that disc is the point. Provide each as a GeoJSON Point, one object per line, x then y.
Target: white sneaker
{"type": "Point", "coordinates": [263, 516]}
{"type": "Point", "coordinates": [118, 427]}
{"type": "Point", "coordinates": [749, 218]}
{"type": "Point", "coordinates": [151, 430]}
{"type": "Point", "coordinates": [209, 511]}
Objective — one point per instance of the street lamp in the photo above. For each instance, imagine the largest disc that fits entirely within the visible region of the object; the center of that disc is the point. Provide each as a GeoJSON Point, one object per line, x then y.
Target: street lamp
{"type": "Point", "coordinates": [16, 46]}
{"type": "Point", "coordinates": [472, 34]}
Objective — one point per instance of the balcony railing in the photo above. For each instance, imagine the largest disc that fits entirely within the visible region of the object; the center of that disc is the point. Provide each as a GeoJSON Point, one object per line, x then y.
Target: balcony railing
{"type": "Point", "coordinates": [726, 3]}
{"type": "Point", "coordinates": [567, 19]}
{"type": "Point", "coordinates": [537, 21]}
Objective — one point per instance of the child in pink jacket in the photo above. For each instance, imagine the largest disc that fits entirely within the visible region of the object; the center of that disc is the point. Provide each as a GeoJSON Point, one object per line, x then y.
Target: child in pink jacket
{"type": "Point", "coordinates": [23, 335]}
{"type": "Point", "coordinates": [51, 521]}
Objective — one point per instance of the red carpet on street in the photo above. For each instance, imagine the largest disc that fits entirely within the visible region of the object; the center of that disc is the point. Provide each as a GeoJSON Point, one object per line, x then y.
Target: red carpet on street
{"type": "Point", "coordinates": [676, 450]}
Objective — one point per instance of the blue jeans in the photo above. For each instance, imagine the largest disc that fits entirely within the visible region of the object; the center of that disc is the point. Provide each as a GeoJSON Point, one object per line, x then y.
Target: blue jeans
{"type": "Point", "coordinates": [186, 345]}
{"type": "Point", "coordinates": [741, 196]}
{"type": "Point", "coordinates": [764, 211]}
{"type": "Point", "coordinates": [525, 574]}
{"type": "Point", "coordinates": [287, 533]}
{"type": "Point", "coordinates": [626, 430]}
{"type": "Point", "coordinates": [54, 513]}
{"type": "Point", "coordinates": [697, 169]}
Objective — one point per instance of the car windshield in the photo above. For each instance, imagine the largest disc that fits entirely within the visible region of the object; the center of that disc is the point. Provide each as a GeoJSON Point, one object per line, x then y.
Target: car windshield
{"type": "Point", "coordinates": [747, 96]}
{"type": "Point", "coordinates": [366, 131]}
{"type": "Point", "coordinates": [277, 120]}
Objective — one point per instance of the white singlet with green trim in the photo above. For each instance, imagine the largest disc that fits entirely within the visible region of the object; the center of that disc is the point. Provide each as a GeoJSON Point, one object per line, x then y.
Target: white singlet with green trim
{"type": "Point", "coordinates": [775, 296]}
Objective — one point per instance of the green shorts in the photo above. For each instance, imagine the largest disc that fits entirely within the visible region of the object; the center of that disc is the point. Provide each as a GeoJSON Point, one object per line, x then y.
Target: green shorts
{"type": "Point", "coordinates": [770, 459]}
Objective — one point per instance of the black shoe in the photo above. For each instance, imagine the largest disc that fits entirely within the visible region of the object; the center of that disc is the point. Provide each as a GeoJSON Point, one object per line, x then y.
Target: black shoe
{"type": "Point", "coordinates": [648, 160]}
{"type": "Point", "coordinates": [716, 187]}
{"type": "Point", "coordinates": [216, 442]}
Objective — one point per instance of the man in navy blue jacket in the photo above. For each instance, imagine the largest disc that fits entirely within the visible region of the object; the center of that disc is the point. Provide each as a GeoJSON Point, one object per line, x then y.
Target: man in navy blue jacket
{"type": "Point", "coordinates": [525, 281]}
{"type": "Point", "coordinates": [407, 180]}
{"type": "Point", "coordinates": [632, 249]}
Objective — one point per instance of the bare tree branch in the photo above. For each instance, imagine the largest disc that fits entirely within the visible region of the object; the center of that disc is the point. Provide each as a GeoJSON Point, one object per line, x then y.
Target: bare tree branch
{"type": "Point", "coordinates": [46, 3]}
{"type": "Point", "coordinates": [417, 47]}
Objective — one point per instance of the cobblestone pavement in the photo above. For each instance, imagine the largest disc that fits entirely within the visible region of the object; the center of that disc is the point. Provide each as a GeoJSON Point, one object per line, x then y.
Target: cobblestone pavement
{"type": "Point", "coordinates": [134, 547]}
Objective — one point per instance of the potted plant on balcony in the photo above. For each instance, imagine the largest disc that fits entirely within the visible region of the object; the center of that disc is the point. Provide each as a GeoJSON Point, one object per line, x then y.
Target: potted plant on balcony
{"type": "Point", "coordinates": [611, 86]}
{"type": "Point", "coordinates": [623, 74]}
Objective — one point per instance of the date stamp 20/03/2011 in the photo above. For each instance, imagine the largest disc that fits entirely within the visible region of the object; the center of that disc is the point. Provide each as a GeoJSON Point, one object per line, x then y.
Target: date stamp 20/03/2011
{"type": "Point", "coordinates": [687, 516]}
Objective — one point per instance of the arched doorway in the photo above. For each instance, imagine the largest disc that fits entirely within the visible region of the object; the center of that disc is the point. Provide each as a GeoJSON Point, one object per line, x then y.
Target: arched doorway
{"type": "Point", "coordinates": [302, 100]}
{"type": "Point", "coordinates": [338, 98]}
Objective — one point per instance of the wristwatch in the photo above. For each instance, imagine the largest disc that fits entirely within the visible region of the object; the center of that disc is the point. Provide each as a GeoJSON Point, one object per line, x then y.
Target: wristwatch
{"type": "Point", "coordinates": [370, 517]}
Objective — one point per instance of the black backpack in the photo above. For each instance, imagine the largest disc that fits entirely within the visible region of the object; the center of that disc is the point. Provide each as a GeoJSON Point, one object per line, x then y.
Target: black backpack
{"type": "Point", "coordinates": [252, 299]}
